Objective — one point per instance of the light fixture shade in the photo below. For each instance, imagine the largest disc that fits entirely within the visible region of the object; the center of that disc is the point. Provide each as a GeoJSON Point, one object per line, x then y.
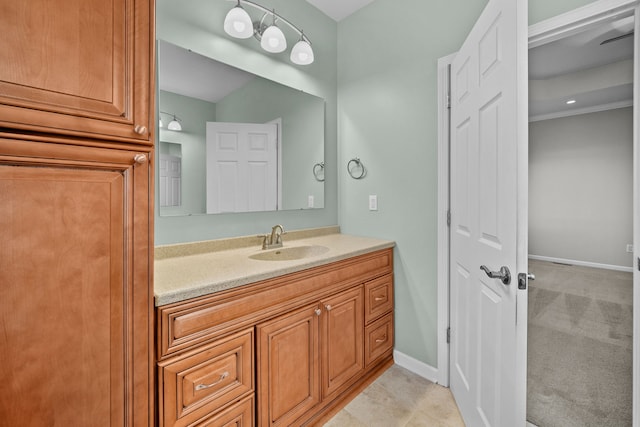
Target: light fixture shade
{"type": "Point", "coordinates": [160, 124]}
{"type": "Point", "coordinates": [174, 125]}
{"type": "Point", "coordinates": [238, 23]}
{"type": "Point", "coordinates": [302, 54]}
{"type": "Point", "coordinates": [273, 40]}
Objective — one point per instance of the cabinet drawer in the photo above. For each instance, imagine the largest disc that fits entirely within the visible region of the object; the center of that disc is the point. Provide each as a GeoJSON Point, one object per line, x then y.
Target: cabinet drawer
{"type": "Point", "coordinates": [238, 415]}
{"type": "Point", "coordinates": [378, 339]}
{"type": "Point", "coordinates": [206, 379]}
{"type": "Point", "coordinates": [378, 297]}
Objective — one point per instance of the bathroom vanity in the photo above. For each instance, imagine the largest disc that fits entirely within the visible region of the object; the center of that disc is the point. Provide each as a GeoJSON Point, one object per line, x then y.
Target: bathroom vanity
{"type": "Point", "coordinates": [271, 341]}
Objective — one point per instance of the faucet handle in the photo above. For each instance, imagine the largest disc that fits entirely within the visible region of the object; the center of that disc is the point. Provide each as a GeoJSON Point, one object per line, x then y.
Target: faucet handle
{"type": "Point", "coordinates": [265, 240]}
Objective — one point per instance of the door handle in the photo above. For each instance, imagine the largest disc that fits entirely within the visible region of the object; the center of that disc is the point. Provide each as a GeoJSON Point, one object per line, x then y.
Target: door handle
{"type": "Point", "coordinates": [504, 274]}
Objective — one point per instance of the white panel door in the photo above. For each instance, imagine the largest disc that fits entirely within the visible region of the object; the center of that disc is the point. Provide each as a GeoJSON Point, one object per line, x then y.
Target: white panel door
{"type": "Point", "coordinates": [170, 173]}
{"type": "Point", "coordinates": [242, 167]}
{"type": "Point", "coordinates": [486, 92]}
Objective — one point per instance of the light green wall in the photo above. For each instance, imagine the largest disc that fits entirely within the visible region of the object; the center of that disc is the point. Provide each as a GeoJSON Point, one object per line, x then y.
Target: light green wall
{"type": "Point", "coordinates": [198, 26]}
{"type": "Point", "coordinates": [387, 115]}
{"type": "Point", "coordinates": [387, 112]}
{"type": "Point", "coordinates": [194, 114]}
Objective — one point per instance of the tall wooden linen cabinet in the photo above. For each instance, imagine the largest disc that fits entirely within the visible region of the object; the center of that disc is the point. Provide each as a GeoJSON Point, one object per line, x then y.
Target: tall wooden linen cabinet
{"type": "Point", "coordinates": [76, 212]}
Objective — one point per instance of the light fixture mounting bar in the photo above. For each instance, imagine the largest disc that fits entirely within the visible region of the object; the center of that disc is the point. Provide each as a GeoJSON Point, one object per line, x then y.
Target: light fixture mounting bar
{"type": "Point", "coordinates": [276, 15]}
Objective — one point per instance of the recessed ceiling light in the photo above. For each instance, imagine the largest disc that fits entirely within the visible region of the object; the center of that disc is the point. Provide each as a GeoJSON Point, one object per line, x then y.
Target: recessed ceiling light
{"type": "Point", "coordinates": [571, 101]}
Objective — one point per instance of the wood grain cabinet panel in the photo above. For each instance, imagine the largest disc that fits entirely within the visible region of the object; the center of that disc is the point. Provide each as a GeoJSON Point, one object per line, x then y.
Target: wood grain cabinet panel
{"type": "Point", "coordinates": [78, 67]}
{"type": "Point", "coordinates": [288, 366]}
{"type": "Point", "coordinates": [378, 297]}
{"type": "Point", "coordinates": [378, 339]}
{"type": "Point", "coordinates": [239, 415]}
{"type": "Point", "coordinates": [76, 331]}
{"type": "Point", "coordinates": [206, 380]}
{"type": "Point", "coordinates": [342, 338]}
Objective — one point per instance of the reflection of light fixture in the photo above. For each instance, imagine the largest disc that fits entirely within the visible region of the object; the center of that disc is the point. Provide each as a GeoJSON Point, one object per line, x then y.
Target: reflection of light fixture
{"type": "Point", "coordinates": [173, 124]}
{"type": "Point", "coordinates": [271, 37]}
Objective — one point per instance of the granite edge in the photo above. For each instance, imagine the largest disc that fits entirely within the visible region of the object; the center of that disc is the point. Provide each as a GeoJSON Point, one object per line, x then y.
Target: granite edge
{"type": "Point", "coordinates": [194, 248]}
{"type": "Point", "coordinates": [201, 290]}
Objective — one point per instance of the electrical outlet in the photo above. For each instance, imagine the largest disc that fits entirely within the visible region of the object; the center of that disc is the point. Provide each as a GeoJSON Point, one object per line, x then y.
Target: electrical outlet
{"type": "Point", "coordinates": [310, 202]}
{"type": "Point", "coordinates": [630, 248]}
{"type": "Point", "coordinates": [373, 202]}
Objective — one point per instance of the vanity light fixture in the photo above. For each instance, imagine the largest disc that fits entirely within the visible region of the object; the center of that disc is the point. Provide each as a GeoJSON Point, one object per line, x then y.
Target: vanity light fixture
{"type": "Point", "coordinates": [174, 124]}
{"type": "Point", "coordinates": [238, 24]}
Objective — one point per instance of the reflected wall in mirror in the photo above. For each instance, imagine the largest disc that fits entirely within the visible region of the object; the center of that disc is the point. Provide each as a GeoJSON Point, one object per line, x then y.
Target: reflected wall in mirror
{"type": "Point", "coordinates": [247, 143]}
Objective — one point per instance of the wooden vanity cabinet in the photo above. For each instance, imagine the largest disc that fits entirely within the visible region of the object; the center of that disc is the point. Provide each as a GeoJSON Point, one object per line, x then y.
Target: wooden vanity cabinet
{"type": "Point", "coordinates": [76, 320]}
{"type": "Point", "coordinates": [77, 104]}
{"type": "Point", "coordinates": [78, 67]}
{"type": "Point", "coordinates": [320, 335]}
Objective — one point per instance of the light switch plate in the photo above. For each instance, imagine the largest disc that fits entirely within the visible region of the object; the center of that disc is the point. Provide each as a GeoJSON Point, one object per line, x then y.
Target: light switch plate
{"type": "Point", "coordinates": [373, 202]}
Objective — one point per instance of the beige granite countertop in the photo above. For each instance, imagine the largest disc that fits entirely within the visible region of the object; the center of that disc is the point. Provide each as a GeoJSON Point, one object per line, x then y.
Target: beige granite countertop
{"type": "Point", "coordinates": [188, 270]}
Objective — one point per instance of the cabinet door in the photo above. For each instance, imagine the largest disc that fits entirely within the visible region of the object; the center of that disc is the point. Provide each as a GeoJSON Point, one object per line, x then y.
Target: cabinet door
{"type": "Point", "coordinates": [74, 287]}
{"type": "Point", "coordinates": [342, 339]}
{"type": "Point", "coordinates": [288, 367]}
{"type": "Point", "coordinates": [79, 67]}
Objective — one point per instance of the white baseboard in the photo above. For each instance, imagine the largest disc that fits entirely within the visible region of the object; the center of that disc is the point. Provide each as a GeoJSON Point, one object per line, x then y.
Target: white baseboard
{"type": "Point", "coordinates": [582, 263]}
{"type": "Point", "coordinates": [416, 366]}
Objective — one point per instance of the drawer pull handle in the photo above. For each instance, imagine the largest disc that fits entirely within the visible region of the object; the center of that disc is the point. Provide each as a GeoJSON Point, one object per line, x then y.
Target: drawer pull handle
{"type": "Point", "coordinates": [383, 339]}
{"type": "Point", "coordinates": [205, 386]}
{"type": "Point", "coordinates": [380, 298]}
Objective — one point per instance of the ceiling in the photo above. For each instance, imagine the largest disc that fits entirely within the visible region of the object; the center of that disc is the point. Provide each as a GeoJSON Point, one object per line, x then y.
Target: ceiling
{"type": "Point", "coordinates": [190, 74]}
{"type": "Point", "coordinates": [339, 9]}
{"type": "Point", "coordinates": [580, 67]}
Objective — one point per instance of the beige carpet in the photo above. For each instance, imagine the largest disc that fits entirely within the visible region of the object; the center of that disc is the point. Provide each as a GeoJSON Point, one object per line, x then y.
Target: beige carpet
{"type": "Point", "coordinates": [580, 345]}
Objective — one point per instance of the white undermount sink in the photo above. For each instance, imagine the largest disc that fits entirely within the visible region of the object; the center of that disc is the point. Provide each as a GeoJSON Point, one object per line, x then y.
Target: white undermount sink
{"type": "Point", "coordinates": [290, 253]}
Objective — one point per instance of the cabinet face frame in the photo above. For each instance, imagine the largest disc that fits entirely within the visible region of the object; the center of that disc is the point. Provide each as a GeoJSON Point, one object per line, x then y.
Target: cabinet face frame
{"type": "Point", "coordinates": [132, 339]}
{"type": "Point", "coordinates": [65, 82]}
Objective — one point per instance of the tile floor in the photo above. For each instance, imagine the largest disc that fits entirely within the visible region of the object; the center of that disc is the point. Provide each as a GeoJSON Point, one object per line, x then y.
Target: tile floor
{"type": "Point", "coordinates": [400, 398]}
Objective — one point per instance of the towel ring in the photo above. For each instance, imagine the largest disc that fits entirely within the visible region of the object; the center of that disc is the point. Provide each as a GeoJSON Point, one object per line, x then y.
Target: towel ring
{"type": "Point", "coordinates": [318, 169]}
{"type": "Point", "coordinates": [359, 164]}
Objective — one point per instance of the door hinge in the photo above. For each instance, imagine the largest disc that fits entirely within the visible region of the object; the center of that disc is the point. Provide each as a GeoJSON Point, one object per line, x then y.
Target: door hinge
{"type": "Point", "coordinates": [448, 218]}
{"type": "Point", "coordinates": [638, 263]}
{"type": "Point", "coordinates": [448, 101]}
{"type": "Point", "coordinates": [449, 335]}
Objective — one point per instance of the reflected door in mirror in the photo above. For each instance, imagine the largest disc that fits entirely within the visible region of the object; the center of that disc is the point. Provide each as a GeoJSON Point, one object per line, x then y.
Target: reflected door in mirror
{"type": "Point", "coordinates": [242, 167]}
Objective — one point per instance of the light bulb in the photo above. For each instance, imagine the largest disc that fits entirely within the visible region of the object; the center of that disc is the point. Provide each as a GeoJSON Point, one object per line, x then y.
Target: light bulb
{"type": "Point", "coordinates": [238, 23]}
{"type": "Point", "coordinates": [302, 54]}
{"type": "Point", "coordinates": [273, 40]}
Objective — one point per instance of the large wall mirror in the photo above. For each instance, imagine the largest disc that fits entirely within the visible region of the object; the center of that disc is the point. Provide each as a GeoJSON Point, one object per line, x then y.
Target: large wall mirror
{"type": "Point", "coordinates": [246, 143]}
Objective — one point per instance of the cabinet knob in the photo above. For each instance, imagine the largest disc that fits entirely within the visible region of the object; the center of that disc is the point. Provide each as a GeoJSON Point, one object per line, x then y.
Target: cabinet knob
{"type": "Point", "coordinates": [318, 312]}
{"type": "Point", "coordinates": [140, 130]}
{"type": "Point", "coordinates": [328, 307]}
{"type": "Point", "coordinates": [140, 159]}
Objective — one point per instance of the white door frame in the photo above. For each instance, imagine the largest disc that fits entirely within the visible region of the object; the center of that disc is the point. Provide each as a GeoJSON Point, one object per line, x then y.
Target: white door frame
{"type": "Point", "coordinates": [541, 33]}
